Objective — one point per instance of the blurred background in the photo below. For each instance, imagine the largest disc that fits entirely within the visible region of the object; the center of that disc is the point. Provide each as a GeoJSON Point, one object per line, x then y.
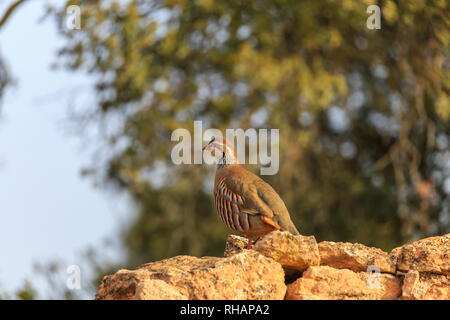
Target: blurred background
{"type": "Point", "coordinates": [86, 117]}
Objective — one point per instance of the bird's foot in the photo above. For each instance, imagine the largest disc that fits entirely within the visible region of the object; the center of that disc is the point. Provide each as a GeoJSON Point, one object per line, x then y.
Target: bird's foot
{"type": "Point", "coordinates": [254, 242]}
{"type": "Point", "coordinates": [249, 243]}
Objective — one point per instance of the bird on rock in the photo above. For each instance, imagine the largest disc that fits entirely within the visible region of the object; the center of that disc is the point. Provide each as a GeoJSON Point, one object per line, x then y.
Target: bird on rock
{"type": "Point", "coordinates": [243, 201]}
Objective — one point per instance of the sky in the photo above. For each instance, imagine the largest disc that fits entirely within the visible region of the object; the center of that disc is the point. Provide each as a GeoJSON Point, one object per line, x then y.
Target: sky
{"type": "Point", "coordinates": [47, 209]}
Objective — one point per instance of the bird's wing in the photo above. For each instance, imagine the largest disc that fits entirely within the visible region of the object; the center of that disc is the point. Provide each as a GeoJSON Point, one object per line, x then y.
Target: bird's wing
{"type": "Point", "coordinates": [245, 194]}
{"type": "Point", "coordinates": [259, 198]}
{"type": "Point", "coordinates": [269, 196]}
{"type": "Point", "coordinates": [230, 193]}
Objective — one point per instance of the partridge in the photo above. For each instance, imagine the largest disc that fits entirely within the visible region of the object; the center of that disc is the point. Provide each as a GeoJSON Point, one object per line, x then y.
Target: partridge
{"type": "Point", "coordinates": [243, 201]}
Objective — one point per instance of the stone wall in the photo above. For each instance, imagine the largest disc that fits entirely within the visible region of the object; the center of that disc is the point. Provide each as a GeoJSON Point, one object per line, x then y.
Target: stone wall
{"type": "Point", "coordinates": [284, 266]}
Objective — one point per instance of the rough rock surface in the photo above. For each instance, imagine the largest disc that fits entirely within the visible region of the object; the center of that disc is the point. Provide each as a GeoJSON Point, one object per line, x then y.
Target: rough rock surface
{"type": "Point", "coordinates": [326, 283]}
{"type": "Point", "coordinates": [155, 289]}
{"type": "Point", "coordinates": [420, 270]}
{"type": "Point", "coordinates": [425, 286]}
{"type": "Point", "coordinates": [294, 252]}
{"type": "Point", "coordinates": [427, 255]}
{"type": "Point", "coordinates": [354, 256]}
{"type": "Point", "coordinates": [234, 244]}
{"type": "Point", "coordinates": [247, 275]}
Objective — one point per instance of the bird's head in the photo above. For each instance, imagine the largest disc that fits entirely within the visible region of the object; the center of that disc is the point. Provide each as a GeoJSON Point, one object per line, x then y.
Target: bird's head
{"type": "Point", "coordinates": [221, 148]}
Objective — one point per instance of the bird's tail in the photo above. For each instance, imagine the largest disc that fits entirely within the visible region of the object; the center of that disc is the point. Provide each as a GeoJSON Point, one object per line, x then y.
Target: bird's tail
{"type": "Point", "coordinates": [292, 229]}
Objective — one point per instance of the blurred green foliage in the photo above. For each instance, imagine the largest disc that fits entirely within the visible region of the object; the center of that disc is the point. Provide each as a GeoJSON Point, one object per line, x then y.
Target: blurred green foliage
{"type": "Point", "coordinates": [363, 114]}
{"type": "Point", "coordinates": [25, 292]}
{"type": "Point", "coordinates": [5, 16]}
{"type": "Point", "coordinates": [4, 77]}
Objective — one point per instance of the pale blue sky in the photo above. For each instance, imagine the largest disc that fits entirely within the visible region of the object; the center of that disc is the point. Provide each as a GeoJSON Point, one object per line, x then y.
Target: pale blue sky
{"type": "Point", "coordinates": [47, 209]}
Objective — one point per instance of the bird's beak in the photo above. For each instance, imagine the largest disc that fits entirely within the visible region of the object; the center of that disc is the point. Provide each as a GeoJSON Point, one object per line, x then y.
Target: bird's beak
{"type": "Point", "coordinates": [208, 147]}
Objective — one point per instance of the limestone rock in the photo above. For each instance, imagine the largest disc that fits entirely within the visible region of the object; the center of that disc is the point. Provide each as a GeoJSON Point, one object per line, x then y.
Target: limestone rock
{"type": "Point", "coordinates": [234, 244]}
{"type": "Point", "coordinates": [419, 270]}
{"type": "Point", "coordinates": [354, 256]}
{"type": "Point", "coordinates": [326, 283]}
{"type": "Point", "coordinates": [291, 251]}
{"type": "Point", "coordinates": [430, 255]}
{"type": "Point", "coordinates": [425, 286]}
{"type": "Point", "coordinates": [246, 275]}
{"type": "Point", "coordinates": [294, 251]}
{"type": "Point", "coordinates": [154, 289]}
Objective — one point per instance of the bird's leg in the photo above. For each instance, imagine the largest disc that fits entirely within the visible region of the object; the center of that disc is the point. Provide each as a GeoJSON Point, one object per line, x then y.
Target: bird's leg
{"type": "Point", "coordinates": [254, 242]}
{"type": "Point", "coordinates": [249, 243]}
